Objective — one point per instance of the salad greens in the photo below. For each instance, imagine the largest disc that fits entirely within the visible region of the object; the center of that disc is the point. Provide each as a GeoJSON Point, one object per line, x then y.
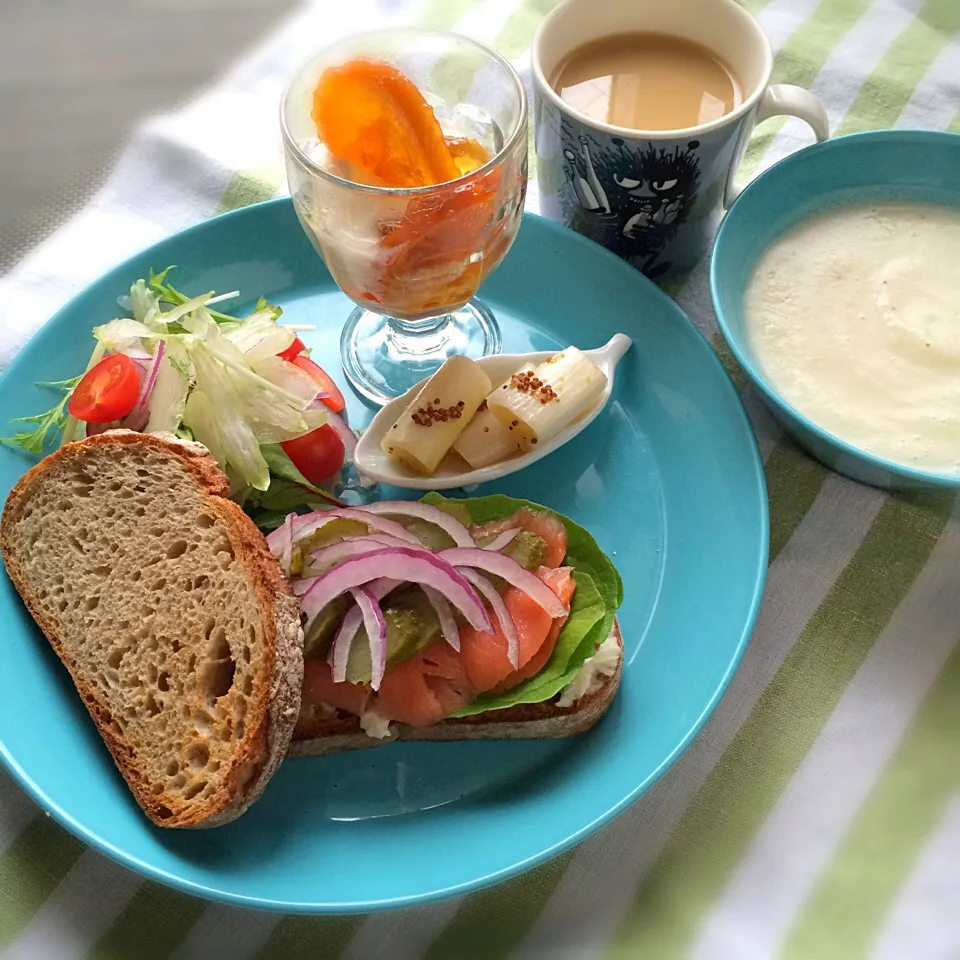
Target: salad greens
{"type": "Point", "coordinates": [53, 419]}
{"type": "Point", "coordinates": [220, 376]}
{"type": "Point", "coordinates": [595, 601]}
{"type": "Point", "coordinates": [288, 492]}
{"type": "Point", "coordinates": [212, 377]}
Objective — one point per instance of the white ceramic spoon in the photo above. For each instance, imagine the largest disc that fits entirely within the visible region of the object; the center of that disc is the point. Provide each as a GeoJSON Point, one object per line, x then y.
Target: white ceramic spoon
{"type": "Point", "coordinates": [373, 462]}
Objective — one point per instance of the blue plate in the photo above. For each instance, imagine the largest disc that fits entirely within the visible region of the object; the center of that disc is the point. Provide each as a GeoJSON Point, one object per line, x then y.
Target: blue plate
{"type": "Point", "coordinates": [668, 480]}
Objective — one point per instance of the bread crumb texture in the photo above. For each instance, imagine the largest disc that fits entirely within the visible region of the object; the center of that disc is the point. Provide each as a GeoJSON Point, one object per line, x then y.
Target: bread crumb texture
{"type": "Point", "coordinates": [133, 574]}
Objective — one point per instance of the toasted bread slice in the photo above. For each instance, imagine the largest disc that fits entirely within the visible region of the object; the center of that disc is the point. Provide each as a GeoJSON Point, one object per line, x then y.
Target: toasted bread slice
{"type": "Point", "coordinates": [163, 602]}
{"type": "Point", "coordinates": [323, 729]}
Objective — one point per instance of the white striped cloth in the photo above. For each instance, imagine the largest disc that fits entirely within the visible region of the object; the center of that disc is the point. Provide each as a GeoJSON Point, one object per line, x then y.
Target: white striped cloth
{"type": "Point", "coordinates": [817, 815]}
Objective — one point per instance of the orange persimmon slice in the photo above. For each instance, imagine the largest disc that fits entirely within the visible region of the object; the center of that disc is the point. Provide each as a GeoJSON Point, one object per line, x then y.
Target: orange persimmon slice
{"type": "Point", "coordinates": [438, 232]}
{"type": "Point", "coordinates": [371, 116]}
{"type": "Point", "coordinates": [468, 154]}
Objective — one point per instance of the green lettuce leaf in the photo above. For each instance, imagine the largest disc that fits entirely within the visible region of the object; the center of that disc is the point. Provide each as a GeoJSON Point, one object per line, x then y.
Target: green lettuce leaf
{"type": "Point", "coordinates": [574, 644]}
{"type": "Point", "coordinates": [598, 594]}
{"type": "Point", "coordinates": [165, 293]}
{"type": "Point", "coordinates": [282, 466]}
{"type": "Point", "coordinates": [54, 419]}
{"type": "Point", "coordinates": [269, 508]}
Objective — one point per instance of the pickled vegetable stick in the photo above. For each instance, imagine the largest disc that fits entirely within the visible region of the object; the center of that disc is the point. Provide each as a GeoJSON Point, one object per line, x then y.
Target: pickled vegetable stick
{"type": "Point", "coordinates": [486, 440]}
{"type": "Point", "coordinates": [537, 403]}
{"type": "Point", "coordinates": [429, 427]}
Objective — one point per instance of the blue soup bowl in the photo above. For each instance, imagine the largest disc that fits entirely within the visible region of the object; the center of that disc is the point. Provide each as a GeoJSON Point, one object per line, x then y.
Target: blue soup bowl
{"type": "Point", "coordinates": [912, 165]}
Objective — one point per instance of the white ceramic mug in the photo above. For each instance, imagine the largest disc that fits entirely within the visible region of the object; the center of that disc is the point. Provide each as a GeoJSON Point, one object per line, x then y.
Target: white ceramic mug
{"type": "Point", "coordinates": [653, 197]}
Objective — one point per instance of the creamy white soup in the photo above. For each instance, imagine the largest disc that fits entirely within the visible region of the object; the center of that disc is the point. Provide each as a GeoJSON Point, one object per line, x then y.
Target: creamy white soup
{"type": "Point", "coordinates": [854, 317]}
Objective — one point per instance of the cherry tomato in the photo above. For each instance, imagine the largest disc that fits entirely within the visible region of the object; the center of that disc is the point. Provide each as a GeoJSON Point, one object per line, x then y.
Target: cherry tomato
{"type": "Point", "coordinates": [293, 351]}
{"type": "Point", "coordinates": [108, 391]}
{"type": "Point", "coordinates": [318, 455]}
{"type": "Point", "coordinates": [334, 399]}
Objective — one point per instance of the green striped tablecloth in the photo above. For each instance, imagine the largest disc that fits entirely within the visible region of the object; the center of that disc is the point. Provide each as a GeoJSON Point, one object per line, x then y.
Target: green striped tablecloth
{"type": "Point", "coordinates": [818, 814]}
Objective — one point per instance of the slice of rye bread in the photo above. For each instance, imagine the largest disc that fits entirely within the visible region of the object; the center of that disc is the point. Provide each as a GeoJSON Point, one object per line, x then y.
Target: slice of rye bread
{"type": "Point", "coordinates": [163, 602]}
{"type": "Point", "coordinates": [322, 729]}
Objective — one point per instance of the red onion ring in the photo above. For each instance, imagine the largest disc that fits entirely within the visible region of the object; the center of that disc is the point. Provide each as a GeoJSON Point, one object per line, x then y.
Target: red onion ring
{"type": "Point", "coordinates": [347, 437]}
{"type": "Point", "coordinates": [151, 376]}
{"type": "Point", "coordinates": [352, 547]}
{"type": "Point", "coordinates": [401, 563]}
{"type": "Point", "coordinates": [376, 627]}
{"type": "Point", "coordinates": [378, 589]}
{"type": "Point", "coordinates": [448, 625]}
{"type": "Point", "coordinates": [308, 523]}
{"type": "Point", "coordinates": [509, 570]}
{"type": "Point", "coordinates": [505, 538]}
{"type": "Point", "coordinates": [424, 511]}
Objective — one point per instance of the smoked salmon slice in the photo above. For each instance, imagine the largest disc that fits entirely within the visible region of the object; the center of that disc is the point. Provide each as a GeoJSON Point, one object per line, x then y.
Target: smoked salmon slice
{"type": "Point", "coordinates": [562, 583]}
{"type": "Point", "coordinates": [426, 688]}
{"type": "Point", "coordinates": [544, 525]}
{"type": "Point", "coordinates": [438, 681]}
{"type": "Point", "coordinates": [484, 655]}
{"type": "Point", "coordinates": [318, 685]}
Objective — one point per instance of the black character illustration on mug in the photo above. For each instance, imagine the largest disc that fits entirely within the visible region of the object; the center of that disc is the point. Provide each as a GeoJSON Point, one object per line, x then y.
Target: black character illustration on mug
{"type": "Point", "coordinates": [630, 199]}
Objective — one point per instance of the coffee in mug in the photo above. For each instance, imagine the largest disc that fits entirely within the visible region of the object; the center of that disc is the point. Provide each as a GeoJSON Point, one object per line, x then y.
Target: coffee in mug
{"type": "Point", "coordinates": [644, 164]}
{"type": "Point", "coordinates": [647, 81]}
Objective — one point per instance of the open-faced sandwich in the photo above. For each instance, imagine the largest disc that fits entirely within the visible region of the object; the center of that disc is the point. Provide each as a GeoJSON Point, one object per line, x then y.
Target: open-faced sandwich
{"type": "Point", "coordinates": [449, 620]}
{"type": "Point", "coordinates": [180, 626]}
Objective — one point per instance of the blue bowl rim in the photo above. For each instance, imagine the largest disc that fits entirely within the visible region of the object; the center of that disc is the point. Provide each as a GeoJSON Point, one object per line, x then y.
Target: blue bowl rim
{"type": "Point", "coordinates": [781, 168]}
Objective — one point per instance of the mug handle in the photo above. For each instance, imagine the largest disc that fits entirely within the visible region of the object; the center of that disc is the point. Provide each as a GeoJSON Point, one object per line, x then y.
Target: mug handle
{"type": "Point", "coordinates": [783, 100]}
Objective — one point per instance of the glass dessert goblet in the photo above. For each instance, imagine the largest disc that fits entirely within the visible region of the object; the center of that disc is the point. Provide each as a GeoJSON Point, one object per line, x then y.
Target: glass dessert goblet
{"type": "Point", "coordinates": [406, 157]}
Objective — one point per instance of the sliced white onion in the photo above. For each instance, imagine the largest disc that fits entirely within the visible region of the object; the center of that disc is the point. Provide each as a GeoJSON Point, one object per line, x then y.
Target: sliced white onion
{"type": "Point", "coordinates": [500, 611]}
{"type": "Point", "coordinates": [448, 624]}
{"type": "Point", "coordinates": [425, 511]}
{"type": "Point", "coordinates": [508, 569]}
{"type": "Point", "coordinates": [505, 538]}
{"type": "Point", "coordinates": [401, 563]}
{"type": "Point", "coordinates": [376, 628]}
{"type": "Point", "coordinates": [310, 522]}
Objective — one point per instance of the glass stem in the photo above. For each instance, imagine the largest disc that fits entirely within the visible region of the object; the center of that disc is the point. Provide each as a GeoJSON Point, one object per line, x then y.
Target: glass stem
{"type": "Point", "coordinates": [407, 329]}
{"type": "Point", "coordinates": [384, 357]}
